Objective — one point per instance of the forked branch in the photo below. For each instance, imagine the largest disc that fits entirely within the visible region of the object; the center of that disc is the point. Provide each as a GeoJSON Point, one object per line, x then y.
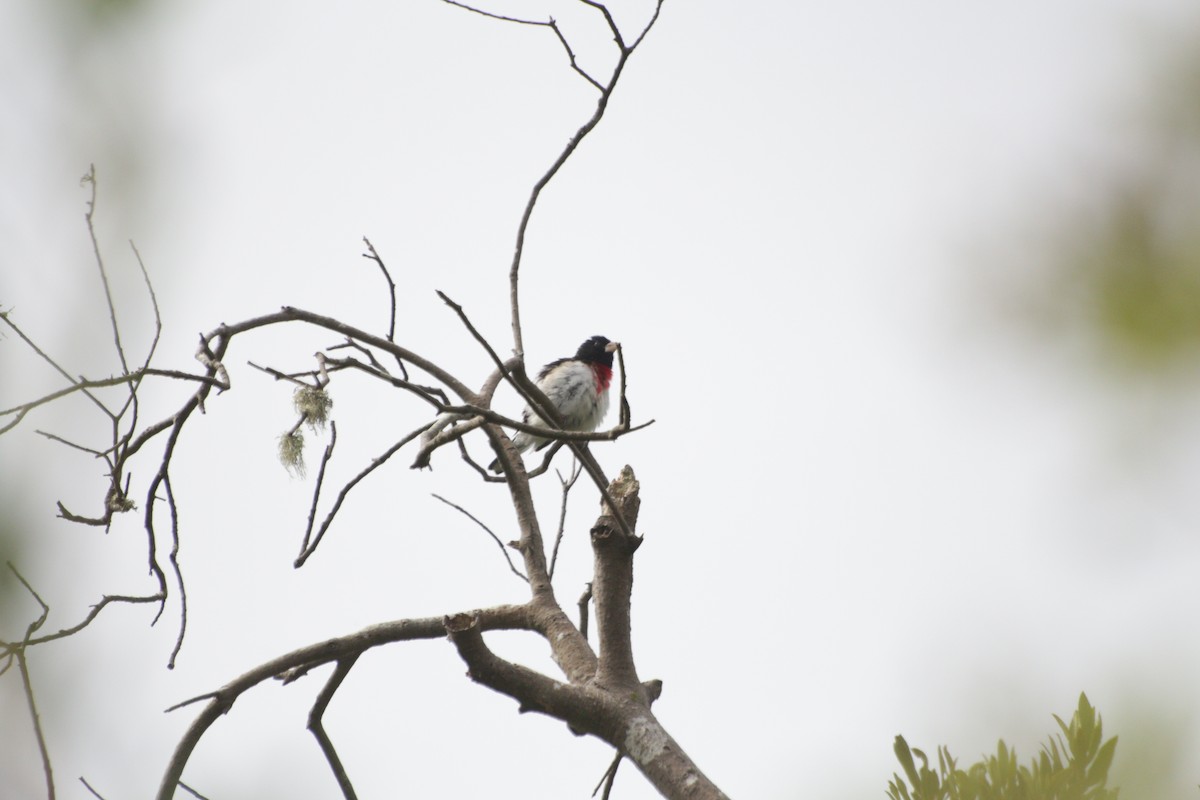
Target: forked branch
{"type": "Point", "coordinates": [605, 88]}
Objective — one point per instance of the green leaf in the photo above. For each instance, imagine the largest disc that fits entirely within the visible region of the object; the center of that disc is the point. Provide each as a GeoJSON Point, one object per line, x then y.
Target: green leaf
{"type": "Point", "coordinates": [1097, 774]}
{"type": "Point", "coordinates": [904, 756]}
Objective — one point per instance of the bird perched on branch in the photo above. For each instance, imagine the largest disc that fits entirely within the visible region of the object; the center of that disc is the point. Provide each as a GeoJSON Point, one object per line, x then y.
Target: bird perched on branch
{"type": "Point", "coordinates": [578, 389]}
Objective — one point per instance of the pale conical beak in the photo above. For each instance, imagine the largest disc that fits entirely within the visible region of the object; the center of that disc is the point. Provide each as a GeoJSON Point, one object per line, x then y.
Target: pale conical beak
{"type": "Point", "coordinates": [612, 347]}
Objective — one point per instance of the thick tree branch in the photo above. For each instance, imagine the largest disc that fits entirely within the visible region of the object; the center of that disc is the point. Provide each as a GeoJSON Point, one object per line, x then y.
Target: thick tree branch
{"type": "Point", "coordinates": [534, 691]}
{"type": "Point", "coordinates": [623, 721]}
{"type": "Point", "coordinates": [612, 585]}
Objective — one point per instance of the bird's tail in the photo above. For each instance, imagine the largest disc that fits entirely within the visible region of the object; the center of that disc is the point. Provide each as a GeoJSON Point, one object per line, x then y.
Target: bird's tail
{"type": "Point", "coordinates": [522, 441]}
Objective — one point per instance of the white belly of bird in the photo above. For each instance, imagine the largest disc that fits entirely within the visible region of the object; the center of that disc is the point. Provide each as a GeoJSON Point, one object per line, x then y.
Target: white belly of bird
{"type": "Point", "coordinates": [572, 389]}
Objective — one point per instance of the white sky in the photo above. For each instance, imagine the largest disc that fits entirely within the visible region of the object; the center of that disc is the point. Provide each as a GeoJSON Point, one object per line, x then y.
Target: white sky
{"type": "Point", "coordinates": [869, 507]}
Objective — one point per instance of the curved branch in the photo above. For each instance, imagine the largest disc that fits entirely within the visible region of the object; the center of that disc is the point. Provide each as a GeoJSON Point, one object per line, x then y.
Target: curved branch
{"type": "Point", "coordinates": [495, 538]}
{"type": "Point", "coordinates": [622, 719]}
{"type": "Point", "coordinates": [87, 620]}
{"type": "Point", "coordinates": [533, 690]}
{"type": "Point", "coordinates": [337, 649]}
{"type": "Point", "coordinates": [83, 384]}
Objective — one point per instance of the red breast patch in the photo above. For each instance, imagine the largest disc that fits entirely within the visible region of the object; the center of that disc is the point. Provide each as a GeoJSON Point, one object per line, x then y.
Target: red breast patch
{"type": "Point", "coordinates": [603, 377]}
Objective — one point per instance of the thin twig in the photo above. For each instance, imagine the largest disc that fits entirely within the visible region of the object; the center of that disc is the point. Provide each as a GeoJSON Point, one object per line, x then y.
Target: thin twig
{"type": "Point", "coordinates": [173, 557]}
{"type": "Point", "coordinates": [374, 256]}
{"type": "Point", "coordinates": [470, 326]}
{"type": "Point", "coordinates": [584, 600]}
{"type": "Point", "coordinates": [377, 462]}
{"type": "Point", "coordinates": [283, 376]}
{"type": "Point", "coordinates": [153, 304]}
{"type": "Point", "coordinates": [27, 683]}
{"type": "Point", "coordinates": [653, 19]}
{"type": "Point", "coordinates": [83, 384]}
{"type": "Point", "coordinates": [45, 357]}
{"type": "Point", "coordinates": [494, 15]}
{"type": "Point", "coordinates": [571, 55]}
{"type": "Point", "coordinates": [312, 510]}
{"type": "Point", "coordinates": [90, 178]}
{"type": "Point", "coordinates": [88, 786]}
{"type": "Point", "coordinates": [495, 538]}
{"type": "Point", "coordinates": [191, 791]}
{"type": "Point", "coordinates": [132, 401]}
{"type": "Point", "coordinates": [91, 615]}
{"type": "Point", "coordinates": [624, 415]}
{"type": "Point", "coordinates": [612, 25]}
{"type": "Point", "coordinates": [610, 774]}
{"type": "Point", "coordinates": [316, 724]}
{"type": "Point", "coordinates": [576, 470]}
{"type": "Point", "coordinates": [160, 476]}
{"type": "Point", "coordinates": [431, 394]}
{"type": "Point", "coordinates": [369, 355]}
{"type": "Point", "coordinates": [56, 438]}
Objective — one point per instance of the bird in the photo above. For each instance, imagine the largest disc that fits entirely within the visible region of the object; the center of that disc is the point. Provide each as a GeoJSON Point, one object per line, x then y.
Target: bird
{"type": "Point", "coordinates": [578, 389]}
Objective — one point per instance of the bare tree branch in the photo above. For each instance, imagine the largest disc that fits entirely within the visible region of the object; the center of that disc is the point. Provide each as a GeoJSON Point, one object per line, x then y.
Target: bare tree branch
{"type": "Point", "coordinates": [74, 445]}
{"type": "Point", "coordinates": [610, 775]}
{"type": "Point", "coordinates": [91, 615]}
{"type": "Point", "coordinates": [308, 548]}
{"type": "Point", "coordinates": [495, 538]}
{"type": "Point", "coordinates": [374, 256]}
{"type": "Point", "coordinates": [316, 724]}
{"type": "Point", "coordinates": [613, 582]}
{"type": "Point", "coordinates": [602, 694]}
{"type": "Point", "coordinates": [90, 178]}
{"type": "Point", "coordinates": [173, 557]}
{"type": "Point", "coordinates": [312, 510]}
{"type": "Point", "coordinates": [88, 786]}
{"type": "Point", "coordinates": [27, 683]}
{"type": "Point", "coordinates": [341, 648]}
{"type": "Point", "coordinates": [191, 791]}
{"type": "Point", "coordinates": [531, 689]}
{"type": "Point", "coordinates": [571, 55]}
{"type": "Point", "coordinates": [566, 485]}
{"type": "Point", "coordinates": [446, 429]}
{"type": "Point", "coordinates": [45, 357]}
{"type": "Point", "coordinates": [83, 385]}
{"type": "Point", "coordinates": [606, 90]}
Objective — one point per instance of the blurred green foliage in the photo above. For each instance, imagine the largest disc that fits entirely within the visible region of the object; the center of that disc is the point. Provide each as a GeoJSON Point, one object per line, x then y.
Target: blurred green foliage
{"type": "Point", "coordinates": [1073, 765]}
{"type": "Point", "coordinates": [1129, 273]}
{"type": "Point", "coordinates": [92, 15]}
{"type": "Point", "coordinates": [1139, 281]}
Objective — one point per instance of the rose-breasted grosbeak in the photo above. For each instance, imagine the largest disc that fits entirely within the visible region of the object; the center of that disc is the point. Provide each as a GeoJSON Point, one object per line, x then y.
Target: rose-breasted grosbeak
{"type": "Point", "coordinates": [578, 388]}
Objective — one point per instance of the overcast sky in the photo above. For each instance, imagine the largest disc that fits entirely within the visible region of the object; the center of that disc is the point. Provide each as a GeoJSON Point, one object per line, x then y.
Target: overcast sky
{"type": "Point", "coordinates": [872, 503]}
